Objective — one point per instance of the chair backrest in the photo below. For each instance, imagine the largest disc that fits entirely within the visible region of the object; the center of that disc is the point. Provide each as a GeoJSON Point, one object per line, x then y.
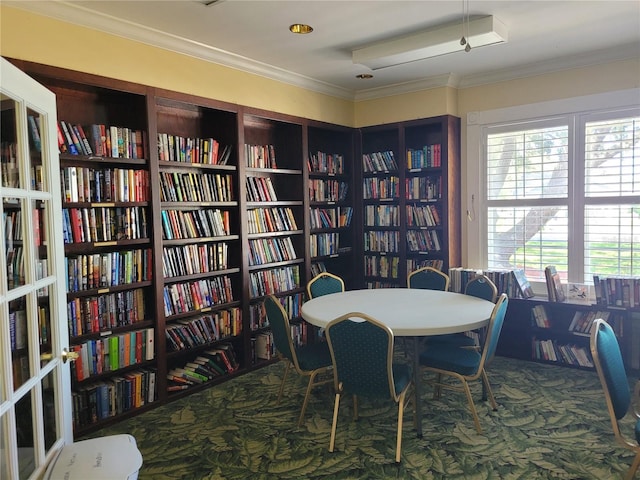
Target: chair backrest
{"type": "Point", "coordinates": [362, 354]}
{"type": "Point", "coordinates": [482, 287]}
{"type": "Point", "coordinates": [493, 330]}
{"type": "Point", "coordinates": [280, 328]}
{"type": "Point", "coordinates": [323, 284]}
{"type": "Point", "coordinates": [607, 358]}
{"type": "Point", "coordinates": [428, 278]}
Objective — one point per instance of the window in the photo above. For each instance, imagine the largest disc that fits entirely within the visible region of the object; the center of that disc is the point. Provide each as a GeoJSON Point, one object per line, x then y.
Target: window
{"type": "Point", "coordinates": [564, 191]}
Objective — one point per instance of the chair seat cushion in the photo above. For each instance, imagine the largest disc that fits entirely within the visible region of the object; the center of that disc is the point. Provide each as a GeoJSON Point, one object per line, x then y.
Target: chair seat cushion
{"type": "Point", "coordinates": [313, 356]}
{"type": "Point", "coordinates": [464, 361]}
{"type": "Point", "coordinates": [401, 376]}
{"type": "Point", "coordinates": [456, 339]}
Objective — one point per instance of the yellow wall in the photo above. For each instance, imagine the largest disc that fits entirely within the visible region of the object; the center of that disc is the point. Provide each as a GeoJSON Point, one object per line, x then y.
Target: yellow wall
{"type": "Point", "coordinates": [26, 36]}
{"type": "Point", "coordinates": [40, 39]}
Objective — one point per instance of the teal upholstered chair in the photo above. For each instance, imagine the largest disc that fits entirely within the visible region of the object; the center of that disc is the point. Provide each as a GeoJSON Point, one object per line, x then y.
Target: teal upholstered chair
{"type": "Point", "coordinates": [615, 383]}
{"type": "Point", "coordinates": [311, 360]}
{"type": "Point", "coordinates": [323, 284]}
{"type": "Point", "coordinates": [362, 353]}
{"type": "Point", "coordinates": [466, 364]}
{"type": "Point", "coordinates": [481, 287]}
{"type": "Point", "coordinates": [428, 278]}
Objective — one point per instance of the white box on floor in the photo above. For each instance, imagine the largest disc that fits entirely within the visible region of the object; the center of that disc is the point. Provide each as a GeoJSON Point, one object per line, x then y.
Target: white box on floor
{"type": "Point", "coordinates": [115, 457]}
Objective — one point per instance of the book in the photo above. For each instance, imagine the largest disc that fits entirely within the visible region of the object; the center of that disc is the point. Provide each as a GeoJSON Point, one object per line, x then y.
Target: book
{"type": "Point", "coordinates": [555, 290]}
{"type": "Point", "coordinates": [523, 283]}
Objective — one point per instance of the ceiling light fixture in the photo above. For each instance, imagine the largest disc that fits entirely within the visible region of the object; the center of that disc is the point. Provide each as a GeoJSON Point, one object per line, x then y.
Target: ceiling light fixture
{"type": "Point", "coordinates": [300, 28]}
{"type": "Point", "coordinates": [364, 76]}
{"type": "Point", "coordinates": [429, 43]}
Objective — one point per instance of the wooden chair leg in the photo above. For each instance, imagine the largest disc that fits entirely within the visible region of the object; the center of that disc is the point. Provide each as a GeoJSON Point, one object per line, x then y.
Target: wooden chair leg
{"type": "Point", "coordinates": [472, 405]}
{"type": "Point", "coordinates": [399, 434]}
{"type": "Point", "coordinates": [634, 468]}
{"type": "Point", "coordinates": [336, 405]}
{"type": "Point", "coordinates": [306, 397]}
{"type": "Point", "coordinates": [284, 379]}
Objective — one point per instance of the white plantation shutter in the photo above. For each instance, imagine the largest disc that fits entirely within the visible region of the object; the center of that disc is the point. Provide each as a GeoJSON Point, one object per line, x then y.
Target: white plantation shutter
{"type": "Point", "coordinates": [612, 196]}
{"type": "Point", "coordinates": [565, 191]}
{"type": "Point", "coordinates": [527, 197]}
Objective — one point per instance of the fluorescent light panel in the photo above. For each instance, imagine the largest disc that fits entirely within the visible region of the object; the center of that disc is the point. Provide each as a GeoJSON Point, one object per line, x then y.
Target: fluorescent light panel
{"type": "Point", "coordinates": [430, 43]}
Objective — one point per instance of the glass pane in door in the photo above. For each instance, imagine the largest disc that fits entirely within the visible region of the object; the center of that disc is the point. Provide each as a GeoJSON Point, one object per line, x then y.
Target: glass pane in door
{"type": "Point", "coordinates": [19, 341]}
{"type": "Point", "coordinates": [13, 221]}
{"type": "Point", "coordinates": [24, 437]}
{"type": "Point", "coordinates": [35, 150]}
{"type": "Point", "coordinates": [9, 173]}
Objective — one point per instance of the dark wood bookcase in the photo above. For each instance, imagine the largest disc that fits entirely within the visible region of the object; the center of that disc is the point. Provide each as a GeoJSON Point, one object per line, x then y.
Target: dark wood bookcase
{"type": "Point", "coordinates": [249, 214]}
{"type": "Point", "coordinates": [332, 214]}
{"type": "Point", "coordinates": [411, 201]}
{"type": "Point", "coordinates": [558, 332]}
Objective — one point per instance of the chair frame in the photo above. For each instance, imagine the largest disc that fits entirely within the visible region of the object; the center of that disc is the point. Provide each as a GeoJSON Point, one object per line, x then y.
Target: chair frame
{"type": "Point", "coordinates": [293, 362]}
{"type": "Point", "coordinates": [596, 327]}
{"type": "Point", "coordinates": [321, 276]}
{"type": "Point", "coordinates": [429, 269]}
{"type": "Point", "coordinates": [490, 284]}
{"type": "Point", "coordinates": [485, 358]}
{"type": "Point", "coordinates": [401, 399]}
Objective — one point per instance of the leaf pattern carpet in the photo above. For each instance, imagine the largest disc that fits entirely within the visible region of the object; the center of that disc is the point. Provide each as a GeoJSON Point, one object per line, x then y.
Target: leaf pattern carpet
{"type": "Point", "coordinates": [551, 423]}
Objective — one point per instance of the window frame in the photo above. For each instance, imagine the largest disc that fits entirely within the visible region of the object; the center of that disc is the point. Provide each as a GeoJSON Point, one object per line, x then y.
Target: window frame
{"type": "Point", "coordinates": [579, 111]}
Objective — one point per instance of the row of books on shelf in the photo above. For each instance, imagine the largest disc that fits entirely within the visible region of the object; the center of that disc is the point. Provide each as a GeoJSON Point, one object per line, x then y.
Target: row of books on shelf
{"type": "Point", "coordinates": [208, 365]}
{"type": "Point", "coordinates": [617, 290]}
{"type": "Point", "coordinates": [101, 313]}
{"type": "Point", "coordinates": [423, 188]}
{"type": "Point", "coordinates": [204, 329]}
{"type": "Point", "coordinates": [193, 259]}
{"type": "Point", "coordinates": [175, 148]}
{"type": "Point", "coordinates": [115, 396]}
{"type": "Point", "coordinates": [382, 215]}
{"type": "Point", "coordinates": [12, 221]}
{"type": "Point", "coordinates": [265, 220]}
{"type": "Point", "coordinates": [104, 224]}
{"type": "Point", "coordinates": [258, 315]}
{"type": "Point", "coordinates": [100, 140]}
{"type": "Point", "coordinates": [426, 157]}
{"type": "Point", "coordinates": [379, 162]}
{"type": "Point", "coordinates": [322, 244]}
{"type": "Point", "coordinates": [374, 188]}
{"type": "Point", "coordinates": [271, 250]}
{"type": "Point", "coordinates": [260, 156]}
{"type": "Point", "coordinates": [414, 264]}
{"type": "Point", "coordinates": [383, 266]}
{"type": "Point", "coordinates": [85, 184]}
{"type": "Point", "coordinates": [92, 314]}
{"type": "Point", "coordinates": [274, 280]}
{"type": "Point", "coordinates": [263, 347]}
{"type": "Point", "coordinates": [423, 216]}
{"type": "Point", "coordinates": [198, 223]}
{"type": "Point", "coordinates": [15, 267]}
{"type": "Point", "coordinates": [552, 351]}
{"type": "Point", "coordinates": [108, 269]}
{"type": "Point", "coordinates": [260, 189]}
{"type": "Point", "coordinates": [108, 354]}
{"type": "Point", "coordinates": [513, 282]}
{"type": "Point", "coordinates": [382, 241]}
{"type": "Point", "coordinates": [196, 295]}
{"type": "Point", "coordinates": [582, 321]}
{"type": "Point", "coordinates": [330, 163]}
{"type": "Point", "coordinates": [337, 217]}
{"type": "Point", "coordinates": [327, 190]}
{"type": "Point", "coordinates": [195, 187]}
{"type": "Point", "coordinates": [423, 241]}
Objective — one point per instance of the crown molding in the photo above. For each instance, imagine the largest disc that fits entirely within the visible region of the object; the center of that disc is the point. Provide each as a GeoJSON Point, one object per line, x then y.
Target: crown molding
{"type": "Point", "coordinates": [83, 17]}
{"type": "Point", "coordinates": [78, 15]}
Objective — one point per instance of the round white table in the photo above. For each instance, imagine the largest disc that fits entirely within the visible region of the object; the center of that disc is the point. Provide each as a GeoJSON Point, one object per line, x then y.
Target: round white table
{"type": "Point", "coordinates": [408, 312]}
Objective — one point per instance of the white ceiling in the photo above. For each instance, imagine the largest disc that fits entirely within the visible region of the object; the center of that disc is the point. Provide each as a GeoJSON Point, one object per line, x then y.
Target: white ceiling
{"type": "Point", "coordinates": [253, 36]}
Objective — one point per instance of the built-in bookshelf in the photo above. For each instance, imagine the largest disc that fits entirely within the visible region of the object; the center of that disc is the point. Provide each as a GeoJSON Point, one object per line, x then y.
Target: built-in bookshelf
{"type": "Point", "coordinates": [275, 221]}
{"type": "Point", "coordinates": [331, 202]}
{"type": "Point", "coordinates": [201, 319]}
{"type": "Point", "coordinates": [410, 208]}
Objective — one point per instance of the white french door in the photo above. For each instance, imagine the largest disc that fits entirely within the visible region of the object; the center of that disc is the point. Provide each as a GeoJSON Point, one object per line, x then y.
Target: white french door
{"type": "Point", "coordinates": [35, 399]}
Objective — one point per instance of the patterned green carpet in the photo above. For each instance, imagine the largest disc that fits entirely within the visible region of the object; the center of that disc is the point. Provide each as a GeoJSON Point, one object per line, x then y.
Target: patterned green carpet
{"type": "Point", "coordinates": [551, 423]}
